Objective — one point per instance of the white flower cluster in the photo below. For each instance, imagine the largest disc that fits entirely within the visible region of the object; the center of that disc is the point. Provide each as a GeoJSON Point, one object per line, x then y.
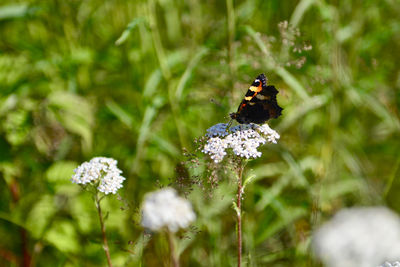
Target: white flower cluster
{"type": "Point", "coordinates": [102, 171]}
{"type": "Point", "coordinates": [164, 208]}
{"type": "Point", "coordinates": [243, 139]}
{"type": "Point", "coordinates": [359, 237]}
{"type": "Point", "coordinates": [388, 264]}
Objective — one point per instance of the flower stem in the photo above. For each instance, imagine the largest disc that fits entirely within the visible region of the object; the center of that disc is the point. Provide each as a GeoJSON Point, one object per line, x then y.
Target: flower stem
{"type": "Point", "coordinates": [174, 257]}
{"type": "Point", "coordinates": [239, 214]}
{"type": "Point", "coordinates": [103, 230]}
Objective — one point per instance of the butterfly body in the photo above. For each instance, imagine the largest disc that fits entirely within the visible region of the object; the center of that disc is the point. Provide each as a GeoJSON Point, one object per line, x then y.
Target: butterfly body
{"type": "Point", "coordinates": [259, 103]}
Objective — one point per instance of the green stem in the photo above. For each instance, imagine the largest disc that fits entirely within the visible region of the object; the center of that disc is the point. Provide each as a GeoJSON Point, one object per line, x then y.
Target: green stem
{"type": "Point", "coordinates": [171, 242]}
{"type": "Point", "coordinates": [159, 49]}
{"type": "Point", "coordinates": [391, 178]}
{"type": "Point", "coordinates": [103, 230]}
{"type": "Point", "coordinates": [239, 214]}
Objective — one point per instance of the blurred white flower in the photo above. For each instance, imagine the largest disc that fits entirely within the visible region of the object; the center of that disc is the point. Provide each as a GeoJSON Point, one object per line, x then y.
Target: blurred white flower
{"type": "Point", "coordinates": [388, 264]}
{"type": "Point", "coordinates": [164, 208]}
{"type": "Point", "coordinates": [359, 237]}
{"type": "Point", "coordinates": [243, 139]}
{"type": "Point", "coordinates": [102, 171]}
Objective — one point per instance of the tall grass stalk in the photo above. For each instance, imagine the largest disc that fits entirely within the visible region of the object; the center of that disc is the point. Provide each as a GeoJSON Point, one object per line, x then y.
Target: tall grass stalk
{"type": "Point", "coordinates": [231, 35]}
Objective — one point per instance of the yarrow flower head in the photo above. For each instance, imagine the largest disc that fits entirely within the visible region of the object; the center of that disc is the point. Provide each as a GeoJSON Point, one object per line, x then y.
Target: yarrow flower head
{"type": "Point", "coordinates": [99, 171]}
{"type": "Point", "coordinates": [165, 209]}
{"type": "Point", "coordinates": [243, 139]}
{"type": "Point", "coordinates": [359, 237]}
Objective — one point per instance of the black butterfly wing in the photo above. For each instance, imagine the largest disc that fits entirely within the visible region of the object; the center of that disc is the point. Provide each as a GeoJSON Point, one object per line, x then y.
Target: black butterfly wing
{"type": "Point", "coordinates": [270, 104]}
{"type": "Point", "coordinates": [259, 103]}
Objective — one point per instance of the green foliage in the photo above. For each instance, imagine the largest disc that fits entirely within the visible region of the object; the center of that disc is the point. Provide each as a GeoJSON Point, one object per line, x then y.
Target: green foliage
{"type": "Point", "coordinates": [140, 80]}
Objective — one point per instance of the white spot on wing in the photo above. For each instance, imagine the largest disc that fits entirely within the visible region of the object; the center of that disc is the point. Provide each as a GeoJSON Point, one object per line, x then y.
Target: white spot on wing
{"type": "Point", "coordinates": [261, 97]}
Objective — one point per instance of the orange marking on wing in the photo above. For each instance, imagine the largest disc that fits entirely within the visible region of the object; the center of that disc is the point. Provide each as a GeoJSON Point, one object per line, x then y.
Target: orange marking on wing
{"type": "Point", "coordinates": [242, 106]}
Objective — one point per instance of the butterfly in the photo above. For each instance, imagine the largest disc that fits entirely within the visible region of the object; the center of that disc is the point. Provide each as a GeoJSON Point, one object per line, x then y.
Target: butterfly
{"type": "Point", "coordinates": [259, 103]}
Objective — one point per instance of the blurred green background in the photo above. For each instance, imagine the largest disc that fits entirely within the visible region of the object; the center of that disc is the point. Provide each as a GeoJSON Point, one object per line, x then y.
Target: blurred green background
{"type": "Point", "coordinates": [140, 80]}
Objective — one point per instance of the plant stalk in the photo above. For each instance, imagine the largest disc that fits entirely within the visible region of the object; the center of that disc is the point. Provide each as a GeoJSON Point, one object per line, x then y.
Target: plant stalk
{"type": "Point", "coordinates": [103, 230]}
{"type": "Point", "coordinates": [174, 257]}
{"type": "Point", "coordinates": [239, 214]}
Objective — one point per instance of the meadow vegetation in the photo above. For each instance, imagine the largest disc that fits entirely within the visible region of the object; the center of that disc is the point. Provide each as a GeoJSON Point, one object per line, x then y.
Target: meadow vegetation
{"type": "Point", "coordinates": [139, 81]}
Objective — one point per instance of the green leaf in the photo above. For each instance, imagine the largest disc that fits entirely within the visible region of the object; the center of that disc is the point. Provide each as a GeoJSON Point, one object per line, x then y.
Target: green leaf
{"type": "Point", "coordinates": [61, 172]}
{"type": "Point", "coordinates": [40, 215]}
{"type": "Point", "coordinates": [16, 11]}
{"type": "Point", "coordinates": [235, 207]}
{"type": "Point", "coordinates": [63, 236]}
{"type": "Point", "coordinates": [288, 216]}
{"type": "Point", "coordinates": [131, 26]}
{"type": "Point", "coordinates": [120, 113]}
{"type": "Point", "coordinates": [268, 195]}
{"type": "Point", "coordinates": [83, 212]}
{"type": "Point", "coordinates": [248, 181]}
{"type": "Point", "coordinates": [188, 72]}
{"type": "Point", "coordinates": [75, 113]}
